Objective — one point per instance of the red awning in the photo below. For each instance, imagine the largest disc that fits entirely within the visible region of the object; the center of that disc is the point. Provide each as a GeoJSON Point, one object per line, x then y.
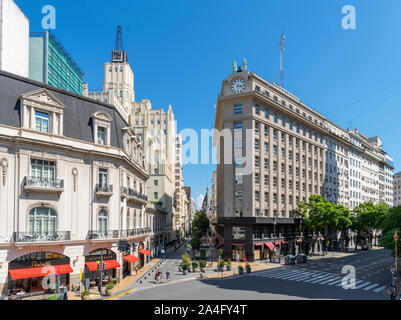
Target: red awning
{"type": "Point", "coordinates": [92, 266]}
{"type": "Point", "coordinates": [277, 243]}
{"type": "Point", "coordinates": [238, 244]}
{"type": "Point", "coordinates": [131, 258]}
{"type": "Point", "coordinates": [258, 244]}
{"type": "Point", "coordinates": [27, 273]}
{"type": "Point", "coordinates": [270, 245]}
{"type": "Point", "coordinates": [145, 252]}
{"type": "Point", "coordinates": [284, 242]}
{"type": "Point", "coordinates": [110, 264]}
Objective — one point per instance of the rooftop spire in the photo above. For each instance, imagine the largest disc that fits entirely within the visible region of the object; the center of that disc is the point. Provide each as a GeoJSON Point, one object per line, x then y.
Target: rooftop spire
{"type": "Point", "coordinates": [119, 39]}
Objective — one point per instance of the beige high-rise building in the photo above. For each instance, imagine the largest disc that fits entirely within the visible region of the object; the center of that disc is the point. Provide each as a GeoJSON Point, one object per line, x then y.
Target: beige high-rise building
{"type": "Point", "coordinates": [156, 130]}
{"type": "Point", "coordinates": [279, 153]}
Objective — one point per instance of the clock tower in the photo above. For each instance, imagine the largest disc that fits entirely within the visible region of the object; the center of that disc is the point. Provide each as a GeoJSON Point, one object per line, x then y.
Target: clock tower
{"type": "Point", "coordinates": [118, 86]}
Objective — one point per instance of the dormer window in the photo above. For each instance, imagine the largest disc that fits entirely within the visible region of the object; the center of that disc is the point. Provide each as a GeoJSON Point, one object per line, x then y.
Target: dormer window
{"type": "Point", "coordinates": [42, 112]}
{"type": "Point", "coordinates": [101, 128]}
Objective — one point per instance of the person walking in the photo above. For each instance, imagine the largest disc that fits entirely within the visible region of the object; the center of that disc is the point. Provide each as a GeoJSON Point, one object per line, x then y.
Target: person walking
{"type": "Point", "coordinates": [167, 275]}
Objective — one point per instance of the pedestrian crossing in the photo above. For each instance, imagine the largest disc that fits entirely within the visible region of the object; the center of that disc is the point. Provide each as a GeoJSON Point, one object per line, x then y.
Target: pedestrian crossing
{"type": "Point", "coordinates": [315, 277]}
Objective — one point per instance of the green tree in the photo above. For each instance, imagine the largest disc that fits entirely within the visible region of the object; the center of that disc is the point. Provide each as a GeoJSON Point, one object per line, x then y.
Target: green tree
{"type": "Point", "coordinates": [200, 226]}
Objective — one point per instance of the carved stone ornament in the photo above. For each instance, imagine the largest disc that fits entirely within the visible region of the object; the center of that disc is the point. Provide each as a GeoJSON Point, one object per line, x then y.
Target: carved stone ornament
{"type": "Point", "coordinates": [75, 177]}
{"type": "Point", "coordinates": [4, 166]}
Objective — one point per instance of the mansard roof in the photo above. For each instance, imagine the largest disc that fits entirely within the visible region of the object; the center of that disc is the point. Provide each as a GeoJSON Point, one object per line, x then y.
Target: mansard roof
{"type": "Point", "coordinates": [78, 110]}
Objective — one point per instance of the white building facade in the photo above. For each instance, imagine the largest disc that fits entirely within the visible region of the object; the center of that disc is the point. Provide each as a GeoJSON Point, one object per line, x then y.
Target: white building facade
{"type": "Point", "coordinates": [72, 187]}
{"type": "Point", "coordinates": [14, 39]}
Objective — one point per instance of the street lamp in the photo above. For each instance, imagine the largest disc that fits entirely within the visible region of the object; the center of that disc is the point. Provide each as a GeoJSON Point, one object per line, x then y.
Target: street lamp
{"type": "Point", "coordinates": [396, 237]}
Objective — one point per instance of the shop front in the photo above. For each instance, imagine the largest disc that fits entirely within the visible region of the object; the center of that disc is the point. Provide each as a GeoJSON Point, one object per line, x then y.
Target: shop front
{"type": "Point", "coordinates": [38, 273]}
{"type": "Point", "coordinates": [92, 272]}
{"type": "Point", "coordinates": [143, 254]}
{"type": "Point", "coordinates": [238, 251]}
{"type": "Point", "coordinates": [258, 251]}
{"type": "Point", "coordinates": [129, 264]}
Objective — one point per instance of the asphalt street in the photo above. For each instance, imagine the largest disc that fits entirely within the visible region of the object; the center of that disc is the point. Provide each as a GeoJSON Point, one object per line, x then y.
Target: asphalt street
{"type": "Point", "coordinates": [318, 279]}
{"type": "Point", "coordinates": [372, 265]}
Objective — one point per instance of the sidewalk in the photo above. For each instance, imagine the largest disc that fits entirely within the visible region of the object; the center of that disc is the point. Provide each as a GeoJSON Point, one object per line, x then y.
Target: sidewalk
{"type": "Point", "coordinates": [123, 285]}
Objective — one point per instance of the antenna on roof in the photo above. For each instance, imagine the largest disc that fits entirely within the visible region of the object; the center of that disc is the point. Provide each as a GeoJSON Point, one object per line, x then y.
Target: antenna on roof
{"type": "Point", "coordinates": [282, 47]}
{"type": "Point", "coordinates": [119, 39]}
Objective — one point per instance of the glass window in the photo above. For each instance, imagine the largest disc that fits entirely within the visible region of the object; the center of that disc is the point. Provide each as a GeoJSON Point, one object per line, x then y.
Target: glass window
{"type": "Point", "coordinates": [238, 109]}
{"type": "Point", "coordinates": [41, 169]}
{"type": "Point", "coordinates": [42, 121]}
{"type": "Point", "coordinates": [102, 222]}
{"type": "Point", "coordinates": [42, 221]}
{"type": "Point", "coordinates": [101, 135]}
{"type": "Point", "coordinates": [103, 177]}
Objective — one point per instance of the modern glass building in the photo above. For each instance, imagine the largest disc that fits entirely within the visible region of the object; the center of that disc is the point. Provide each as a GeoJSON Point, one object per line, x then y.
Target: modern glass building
{"type": "Point", "coordinates": [50, 63]}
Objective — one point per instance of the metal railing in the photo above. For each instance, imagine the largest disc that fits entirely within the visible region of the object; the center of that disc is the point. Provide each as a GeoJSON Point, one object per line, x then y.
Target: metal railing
{"type": "Point", "coordinates": [104, 188]}
{"type": "Point", "coordinates": [100, 234]}
{"type": "Point", "coordinates": [46, 183]}
{"type": "Point", "coordinates": [134, 232]}
{"type": "Point", "coordinates": [41, 237]}
{"type": "Point", "coordinates": [132, 193]}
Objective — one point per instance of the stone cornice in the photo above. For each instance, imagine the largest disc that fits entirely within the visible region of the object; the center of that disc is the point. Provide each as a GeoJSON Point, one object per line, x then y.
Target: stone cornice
{"type": "Point", "coordinates": [28, 142]}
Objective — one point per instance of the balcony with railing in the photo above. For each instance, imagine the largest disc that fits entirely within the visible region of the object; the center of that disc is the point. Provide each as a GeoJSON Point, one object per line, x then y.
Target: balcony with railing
{"type": "Point", "coordinates": [134, 232]}
{"type": "Point", "coordinates": [104, 190]}
{"type": "Point", "coordinates": [103, 234]}
{"type": "Point", "coordinates": [28, 237]}
{"type": "Point", "coordinates": [134, 196]}
{"type": "Point", "coordinates": [48, 185]}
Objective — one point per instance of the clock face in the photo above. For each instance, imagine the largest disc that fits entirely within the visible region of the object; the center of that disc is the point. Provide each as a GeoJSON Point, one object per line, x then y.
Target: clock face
{"type": "Point", "coordinates": [117, 56]}
{"type": "Point", "coordinates": [238, 86]}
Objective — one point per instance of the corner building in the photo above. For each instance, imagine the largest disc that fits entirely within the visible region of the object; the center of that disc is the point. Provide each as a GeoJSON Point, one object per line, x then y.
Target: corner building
{"type": "Point", "coordinates": [72, 185]}
{"type": "Point", "coordinates": [294, 153]}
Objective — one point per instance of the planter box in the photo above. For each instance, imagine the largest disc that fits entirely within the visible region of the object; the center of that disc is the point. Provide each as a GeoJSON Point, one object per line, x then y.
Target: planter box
{"type": "Point", "coordinates": [185, 272]}
{"type": "Point", "coordinates": [241, 272]}
{"type": "Point", "coordinates": [229, 268]}
{"type": "Point", "coordinates": [109, 292]}
{"type": "Point", "coordinates": [88, 297]}
{"type": "Point", "coordinates": [248, 270]}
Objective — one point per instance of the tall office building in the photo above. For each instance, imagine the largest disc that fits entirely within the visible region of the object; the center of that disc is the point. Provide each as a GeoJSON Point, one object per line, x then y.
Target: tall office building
{"type": "Point", "coordinates": [50, 63]}
{"type": "Point", "coordinates": [118, 86]}
{"type": "Point", "coordinates": [14, 39]}
{"type": "Point", "coordinates": [156, 129]}
{"type": "Point", "coordinates": [281, 152]}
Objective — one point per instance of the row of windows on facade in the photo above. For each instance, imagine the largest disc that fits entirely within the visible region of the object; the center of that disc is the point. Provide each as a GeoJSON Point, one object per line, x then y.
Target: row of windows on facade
{"type": "Point", "coordinates": [238, 110]}
{"type": "Point", "coordinates": [239, 178]}
{"type": "Point", "coordinates": [43, 125]}
{"type": "Point", "coordinates": [239, 195]}
{"type": "Point", "coordinates": [239, 162]}
{"type": "Point", "coordinates": [290, 106]}
{"type": "Point", "coordinates": [42, 170]}
{"type": "Point", "coordinates": [43, 221]}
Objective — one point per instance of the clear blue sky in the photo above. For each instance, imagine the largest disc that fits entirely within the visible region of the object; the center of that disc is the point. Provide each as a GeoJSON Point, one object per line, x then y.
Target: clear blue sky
{"type": "Point", "coordinates": [181, 50]}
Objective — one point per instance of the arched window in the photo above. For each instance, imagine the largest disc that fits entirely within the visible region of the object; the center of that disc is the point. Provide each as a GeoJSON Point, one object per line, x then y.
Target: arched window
{"type": "Point", "coordinates": [103, 222]}
{"type": "Point", "coordinates": [42, 221]}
